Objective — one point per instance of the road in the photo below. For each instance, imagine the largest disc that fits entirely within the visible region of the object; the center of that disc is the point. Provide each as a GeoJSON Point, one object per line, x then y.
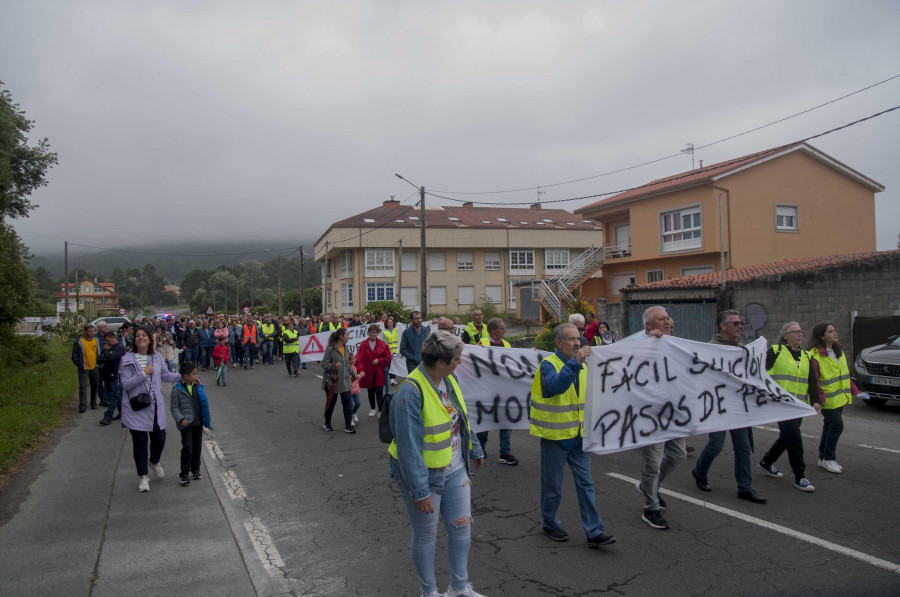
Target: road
{"type": "Point", "coordinates": [327, 520]}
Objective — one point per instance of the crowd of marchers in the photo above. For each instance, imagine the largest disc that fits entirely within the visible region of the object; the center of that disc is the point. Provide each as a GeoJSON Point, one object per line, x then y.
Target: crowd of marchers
{"type": "Point", "coordinates": [433, 451]}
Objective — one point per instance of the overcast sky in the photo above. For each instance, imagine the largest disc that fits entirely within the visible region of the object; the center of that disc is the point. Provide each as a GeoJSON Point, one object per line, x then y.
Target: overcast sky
{"type": "Point", "coordinates": [204, 120]}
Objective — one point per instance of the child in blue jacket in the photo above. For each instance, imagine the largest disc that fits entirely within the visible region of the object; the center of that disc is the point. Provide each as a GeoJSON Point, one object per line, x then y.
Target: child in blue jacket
{"type": "Point", "coordinates": [190, 408]}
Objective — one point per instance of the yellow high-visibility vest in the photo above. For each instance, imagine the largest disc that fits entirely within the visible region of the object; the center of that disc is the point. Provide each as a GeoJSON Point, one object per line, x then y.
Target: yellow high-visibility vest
{"type": "Point", "coordinates": [561, 416]}
{"type": "Point", "coordinates": [391, 339]}
{"type": "Point", "coordinates": [788, 375]}
{"type": "Point", "coordinates": [834, 379]}
{"type": "Point", "coordinates": [436, 449]}
{"type": "Point", "coordinates": [486, 341]}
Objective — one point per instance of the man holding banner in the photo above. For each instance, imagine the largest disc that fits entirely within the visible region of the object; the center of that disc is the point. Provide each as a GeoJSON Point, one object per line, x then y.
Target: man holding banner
{"type": "Point", "coordinates": [557, 415]}
{"type": "Point", "coordinates": [729, 334]}
{"type": "Point", "coordinates": [657, 460]}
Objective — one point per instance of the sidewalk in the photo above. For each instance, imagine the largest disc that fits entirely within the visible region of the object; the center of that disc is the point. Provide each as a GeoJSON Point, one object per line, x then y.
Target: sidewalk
{"type": "Point", "coordinates": [83, 528]}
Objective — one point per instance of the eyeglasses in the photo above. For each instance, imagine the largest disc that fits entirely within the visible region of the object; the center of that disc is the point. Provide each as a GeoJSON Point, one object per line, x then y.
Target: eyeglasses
{"type": "Point", "coordinates": [795, 332]}
{"type": "Point", "coordinates": [735, 322]}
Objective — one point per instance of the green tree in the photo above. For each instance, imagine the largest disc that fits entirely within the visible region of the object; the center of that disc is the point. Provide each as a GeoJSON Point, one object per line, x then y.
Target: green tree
{"type": "Point", "coordinates": [23, 168]}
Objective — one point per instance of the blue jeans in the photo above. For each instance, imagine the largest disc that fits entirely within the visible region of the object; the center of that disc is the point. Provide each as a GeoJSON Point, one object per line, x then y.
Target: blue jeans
{"type": "Point", "coordinates": [222, 375]}
{"type": "Point", "coordinates": [740, 440]}
{"type": "Point", "coordinates": [249, 354]}
{"type": "Point", "coordinates": [237, 353]}
{"type": "Point", "coordinates": [554, 455]}
{"type": "Point", "coordinates": [454, 506]}
{"type": "Point", "coordinates": [832, 427]}
{"type": "Point", "coordinates": [112, 397]}
{"type": "Point", "coordinates": [355, 398]}
{"type": "Point", "coordinates": [190, 355]}
{"type": "Point", "coordinates": [505, 443]}
{"type": "Point", "coordinates": [267, 347]}
{"type": "Point", "coordinates": [205, 351]}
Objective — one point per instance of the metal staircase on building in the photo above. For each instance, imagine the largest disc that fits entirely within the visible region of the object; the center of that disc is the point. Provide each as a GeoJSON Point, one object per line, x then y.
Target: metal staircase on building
{"type": "Point", "coordinates": [556, 292]}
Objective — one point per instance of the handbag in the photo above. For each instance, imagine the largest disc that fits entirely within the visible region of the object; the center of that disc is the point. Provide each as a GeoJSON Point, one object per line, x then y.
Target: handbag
{"type": "Point", "coordinates": [139, 402]}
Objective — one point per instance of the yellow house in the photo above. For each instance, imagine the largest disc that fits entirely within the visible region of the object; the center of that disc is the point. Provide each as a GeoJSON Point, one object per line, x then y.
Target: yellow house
{"type": "Point", "coordinates": [103, 293]}
{"type": "Point", "coordinates": [473, 255]}
{"type": "Point", "coordinates": [783, 203]}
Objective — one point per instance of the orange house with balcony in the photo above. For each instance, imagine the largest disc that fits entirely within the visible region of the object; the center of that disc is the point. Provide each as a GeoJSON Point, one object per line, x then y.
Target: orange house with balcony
{"type": "Point", "coordinates": [783, 203]}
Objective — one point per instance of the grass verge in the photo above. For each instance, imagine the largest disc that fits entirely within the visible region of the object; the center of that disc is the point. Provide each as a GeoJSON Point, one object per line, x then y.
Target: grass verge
{"type": "Point", "coordinates": [34, 400]}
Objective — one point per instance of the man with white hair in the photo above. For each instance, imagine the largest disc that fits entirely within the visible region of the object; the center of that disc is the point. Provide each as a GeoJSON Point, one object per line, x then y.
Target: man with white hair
{"type": "Point", "coordinates": [659, 460]}
{"type": "Point", "coordinates": [577, 319]}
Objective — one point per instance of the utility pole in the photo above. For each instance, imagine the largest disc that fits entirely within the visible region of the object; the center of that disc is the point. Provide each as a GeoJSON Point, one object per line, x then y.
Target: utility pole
{"type": "Point", "coordinates": [400, 271]}
{"type": "Point", "coordinates": [66, 278]}
{"type": "Point", "coordinates": [280, 309]}
{"type": "Point", "coordinates": [302, 285]}
{"type": "Point", "coordinates": [424, 277]}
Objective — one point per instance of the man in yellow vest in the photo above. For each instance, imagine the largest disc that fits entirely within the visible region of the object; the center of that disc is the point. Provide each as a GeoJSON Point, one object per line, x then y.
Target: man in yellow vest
{"type": "Point", "coordinates": [788, 364]}
{"type": "Point", "coordinates": [291, 340]}
{"type": "Point", "coordinates": [268, 341]}
{"type": "Point", "coordinates": [496, 330]}
{"type": "Point", "coordinates": [557, 417]}
{"type": "Point", "coordinates": [475, 329]}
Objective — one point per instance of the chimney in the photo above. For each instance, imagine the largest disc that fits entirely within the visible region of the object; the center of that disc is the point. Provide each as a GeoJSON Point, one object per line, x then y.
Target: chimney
{"type": "Point", "coordinates": [536, 207]}
{"type": "Point", "coordinates": [391, 202]}
{"type": "Point", "coordinates": [701, 164]}
{"type": "Point", "coordinates": [468, 205]}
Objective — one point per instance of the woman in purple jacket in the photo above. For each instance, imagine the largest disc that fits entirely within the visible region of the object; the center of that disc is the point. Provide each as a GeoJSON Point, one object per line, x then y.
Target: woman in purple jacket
{"type": "Point", "coordinates": [142, 371]}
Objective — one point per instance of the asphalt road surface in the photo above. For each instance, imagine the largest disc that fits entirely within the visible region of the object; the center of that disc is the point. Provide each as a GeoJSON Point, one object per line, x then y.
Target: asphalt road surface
{"type": "Point", "coordinates": [325, 518]}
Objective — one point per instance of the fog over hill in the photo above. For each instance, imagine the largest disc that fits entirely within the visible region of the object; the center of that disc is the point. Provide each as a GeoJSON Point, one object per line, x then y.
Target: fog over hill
{"type": "Point", "coordinates": [172, 259]}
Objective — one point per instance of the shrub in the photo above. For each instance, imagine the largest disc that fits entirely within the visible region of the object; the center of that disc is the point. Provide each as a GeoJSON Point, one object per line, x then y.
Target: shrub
{"type": "Point", "coordinates": [18, 351]}
{"type": "Point", "coordinates": [544, 339]}
{"type": "Point", "coordinates": [393, 308]}
{"type": "Point", "coordinates": [581, 305]}
{"type": "Point", "coordinates": [69, 327]}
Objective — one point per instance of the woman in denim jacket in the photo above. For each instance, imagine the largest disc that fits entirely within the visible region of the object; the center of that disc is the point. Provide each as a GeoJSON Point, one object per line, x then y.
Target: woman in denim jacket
{"type": "Point", "coordinates": [431, 487]}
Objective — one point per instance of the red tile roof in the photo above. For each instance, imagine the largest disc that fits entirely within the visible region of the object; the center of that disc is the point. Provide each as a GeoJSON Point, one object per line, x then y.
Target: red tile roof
{"type": "Point", "coordinates": [395, 215]}
{"type": "Point", "coordinates": [766, 270]}
{"type": "Point", "coordinates": [710, 174]}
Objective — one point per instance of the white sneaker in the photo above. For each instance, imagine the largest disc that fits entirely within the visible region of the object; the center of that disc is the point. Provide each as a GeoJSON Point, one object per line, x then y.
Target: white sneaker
{"type": "Point", "coordinates": [393, 382]}
{"type": "Point", "coordinates": [837, 464]}
{"type": "Point", "coordinates": [832, 467]}
{"type": "Point", "coordinates": [467, 592]}
{"type": "Point", "coordinates": [144, 484]}
{"type": "Point", "coordinates": [372, 413]}
{"type": "Point", "coordinates": [431, 594]}
{"type": "Point", "coordinates": [158, 471]}
{"type": "Point", "coordinates": [355, 419]}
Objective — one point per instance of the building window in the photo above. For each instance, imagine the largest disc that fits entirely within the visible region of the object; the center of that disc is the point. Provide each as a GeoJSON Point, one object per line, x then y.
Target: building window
{"type": "Point", "coordinates": [347, 296]}
{"type": "Point", "coordinates": [492, 261]}
{"type": "Point", "coordinates": [437, 261]}
{"type": "Point", "coordinates": [380, 263]}
{"type": "Point", "coordinates": [465, 261]}
{"type": "Point", "coordinates": [681, 229]}
{"type": "Point", "coordinates": [555, 260]}
{"type": "Point", "coordinates": [409, 296]}
{"type": "Point", "coordinates": [654, 275]}
{"type": "Point", "coordinates": [494, 294]}
{"type": "Point", "coordinates": [466, 295]}
{"type": "Point", "coordinates": [521, 261]}
{"type": "Point", "coordinates": [438, 295]}
{"type": "Point", "coordinates": [346, 264]}
{"type": "Point", "coordinates": [697, 270]}
{"type": "Point", "coordinates": [617, 281]}
{"type": "Point", "coordinates": [786, 217]}
{"type": "Point", "coordinates": [379, 291]}
{"type": "Point", "coordinates": [97, 290]}
{"type": "Point", "coordinates": [409, 261]}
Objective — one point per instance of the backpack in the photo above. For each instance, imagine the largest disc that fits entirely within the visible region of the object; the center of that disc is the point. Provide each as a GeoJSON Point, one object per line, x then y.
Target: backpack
{"type": "Point", "coordinates": [385, 433]}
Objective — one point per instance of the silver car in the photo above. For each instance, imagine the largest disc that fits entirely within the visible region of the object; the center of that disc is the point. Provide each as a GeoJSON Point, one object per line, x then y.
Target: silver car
{"type": "Point", "coordinates": [114, 322]}
{"type": "Point", "coordinates": [878, 372]}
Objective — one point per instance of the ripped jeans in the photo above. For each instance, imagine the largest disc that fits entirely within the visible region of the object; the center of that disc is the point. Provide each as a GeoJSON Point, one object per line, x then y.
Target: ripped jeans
{"type": "Point", "coordinates": [454, 506]}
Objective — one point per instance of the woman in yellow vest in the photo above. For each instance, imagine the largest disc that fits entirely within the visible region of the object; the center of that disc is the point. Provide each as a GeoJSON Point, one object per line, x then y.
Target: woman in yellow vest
{"type": "Point", "coordinates": [788, 364]}
{"type": "Point", "coordinates": [392, 336]}
{"type": "Point", "coordinates": [430, 459]}
{"type": "Point", "coordinates": [830, 387]}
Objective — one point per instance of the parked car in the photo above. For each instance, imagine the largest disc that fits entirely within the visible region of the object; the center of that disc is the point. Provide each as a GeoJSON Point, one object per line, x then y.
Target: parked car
{"type": "Point", "coordinates": [48, 322]}
{"type": "Point", "coordinates": [114, 322]}
{"type": "Point", "coordinates": [878, 372]}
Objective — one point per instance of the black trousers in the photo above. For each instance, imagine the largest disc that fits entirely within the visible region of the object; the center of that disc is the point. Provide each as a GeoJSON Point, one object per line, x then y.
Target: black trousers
{"type": "Point", "coordinates": [791, 441]}
{"type": "Point", "coordinates": [191, 443]}
{"type": "Point", "coordinates": [376, 397]}
{"type": "Point", "coordinates": [157, 440]}
{"type": "Point", "coordinates": [346, 403]}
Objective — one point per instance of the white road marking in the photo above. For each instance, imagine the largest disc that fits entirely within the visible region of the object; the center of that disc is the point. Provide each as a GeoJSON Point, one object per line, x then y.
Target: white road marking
{"type": "Point", "coordinates": [863, 557]}
{"type": "Point", "coordinates": [877, 448]}
{"type": "Point", "coordinates": [777, 430]}
{"type": "Point", "coordinates": [259, 536]}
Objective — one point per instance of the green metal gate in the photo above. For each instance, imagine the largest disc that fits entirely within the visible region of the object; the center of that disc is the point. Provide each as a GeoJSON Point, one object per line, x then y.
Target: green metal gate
{"type": "Point", "coordinates": [694, 319]}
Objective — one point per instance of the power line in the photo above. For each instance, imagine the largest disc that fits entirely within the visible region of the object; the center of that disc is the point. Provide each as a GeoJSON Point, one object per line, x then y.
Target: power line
{"type": "Point", "coordinates": [374, 228]}
{"type": "Point", "coordinates": [674, 178]}
{"type": "Point", "coordinates": [674, 155]}
{"type": "Point", "coordinates": [276, 251]}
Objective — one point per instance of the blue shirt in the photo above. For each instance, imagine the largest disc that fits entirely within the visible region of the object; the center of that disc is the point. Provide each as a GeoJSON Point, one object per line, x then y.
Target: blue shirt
{"type": "Point", "coordinates": [553, 383]}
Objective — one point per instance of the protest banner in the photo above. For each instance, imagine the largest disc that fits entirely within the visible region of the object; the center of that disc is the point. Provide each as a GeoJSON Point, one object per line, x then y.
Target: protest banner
{"type": "Point", "coordinates": [652, 390]}
{"type": "Point", "coordinates": [312, 347]}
